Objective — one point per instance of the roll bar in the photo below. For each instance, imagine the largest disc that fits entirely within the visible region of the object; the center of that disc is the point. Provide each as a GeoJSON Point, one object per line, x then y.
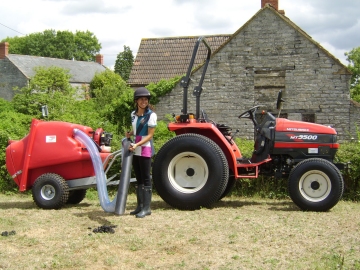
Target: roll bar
{"type": "Point", "coordinates": [186, 80]}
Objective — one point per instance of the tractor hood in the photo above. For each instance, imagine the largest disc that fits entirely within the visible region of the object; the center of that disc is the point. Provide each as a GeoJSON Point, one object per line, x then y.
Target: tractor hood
{"type": "Point", "coordinates": [285, 125]}
{"type": "Point", "coordinates": [303, 140]}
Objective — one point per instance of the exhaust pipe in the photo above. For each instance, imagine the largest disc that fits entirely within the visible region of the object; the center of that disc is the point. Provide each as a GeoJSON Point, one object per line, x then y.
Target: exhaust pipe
{"type": "Point", "coordinates": [125, 175]}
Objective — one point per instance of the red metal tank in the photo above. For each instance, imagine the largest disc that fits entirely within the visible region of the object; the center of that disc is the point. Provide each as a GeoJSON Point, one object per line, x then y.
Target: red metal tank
{"type": "Point", "coordinates": [49, 147]}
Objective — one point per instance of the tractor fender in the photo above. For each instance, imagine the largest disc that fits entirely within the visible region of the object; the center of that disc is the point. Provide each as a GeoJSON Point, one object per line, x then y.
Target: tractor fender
{"type": "Point", "coordinates": [209, 130]}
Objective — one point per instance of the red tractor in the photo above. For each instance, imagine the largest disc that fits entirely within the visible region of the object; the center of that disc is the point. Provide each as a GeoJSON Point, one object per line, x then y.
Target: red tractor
{"type": "Point", "coordinates": [200, 165]}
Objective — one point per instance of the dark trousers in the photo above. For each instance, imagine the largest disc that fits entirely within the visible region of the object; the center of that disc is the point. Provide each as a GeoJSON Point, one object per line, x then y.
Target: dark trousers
{"type": "Point", "coordinates": [142, 167]}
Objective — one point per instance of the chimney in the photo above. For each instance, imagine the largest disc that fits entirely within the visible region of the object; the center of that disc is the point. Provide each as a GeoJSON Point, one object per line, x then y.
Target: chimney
{"type": "Point", "coordinates": [4, 49]}
{"type": "Point", "coordinates": [274, 4]}
{"type": "Point", "coordinates": [99, 58]}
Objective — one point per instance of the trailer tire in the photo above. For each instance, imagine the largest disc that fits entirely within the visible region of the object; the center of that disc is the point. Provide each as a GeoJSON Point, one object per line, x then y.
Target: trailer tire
{"type": "Point", "coordinates": [190, 171]}
{"type": "Point", "coordinates": [50, 191]}
{"type": "Point", "coordinates": [315, 185]}
{"type": "Point", "coordinates": [76, 196]}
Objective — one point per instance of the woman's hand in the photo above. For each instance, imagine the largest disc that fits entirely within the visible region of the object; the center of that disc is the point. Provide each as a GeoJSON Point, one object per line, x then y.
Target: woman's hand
{"type": "Point", "coordinates": [128, 134]}
{"type": "Point", "coordinates": [132, 147]}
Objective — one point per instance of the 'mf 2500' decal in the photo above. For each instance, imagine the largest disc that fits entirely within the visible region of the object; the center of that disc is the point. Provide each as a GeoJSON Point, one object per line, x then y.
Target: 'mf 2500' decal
{"type": "Point", "coordinates": [303, 137]}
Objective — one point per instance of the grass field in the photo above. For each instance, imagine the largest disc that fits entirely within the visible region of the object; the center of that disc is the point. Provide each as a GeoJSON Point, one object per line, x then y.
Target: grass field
{"type": "Point", "coordinates": [237, 233]}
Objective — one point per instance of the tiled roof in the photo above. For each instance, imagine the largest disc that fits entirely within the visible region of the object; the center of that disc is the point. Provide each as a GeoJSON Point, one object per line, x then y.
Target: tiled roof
{"type": "Point", "coordinates": [81, 71]}
{"type": "Point", "coordinates": [165, 58]}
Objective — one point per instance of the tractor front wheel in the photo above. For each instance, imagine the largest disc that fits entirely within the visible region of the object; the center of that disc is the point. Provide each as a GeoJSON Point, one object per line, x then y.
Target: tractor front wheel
{"type": "Point", "coordinates": [50, 191]}
{"type": "Point", "coordinates": [190, 171]}
{"type": "Point", "coordinates": [315, 185]}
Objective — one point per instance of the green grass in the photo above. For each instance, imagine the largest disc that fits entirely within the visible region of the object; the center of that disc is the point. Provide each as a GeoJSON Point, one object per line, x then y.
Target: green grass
{"type": "Point", "coordinates": [237, 233]}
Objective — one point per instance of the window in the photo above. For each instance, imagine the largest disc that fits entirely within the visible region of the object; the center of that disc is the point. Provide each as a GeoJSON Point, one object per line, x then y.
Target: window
{"type": "Point", "coordinates": [308, 117]}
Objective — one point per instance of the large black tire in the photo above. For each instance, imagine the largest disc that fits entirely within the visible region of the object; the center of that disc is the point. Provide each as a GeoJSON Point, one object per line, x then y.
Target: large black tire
{"type": "Point", "coordinates": [76, 196]}
{"type": "Point", "coordinates": [230, 185]}
{"type": "Point", "coordinates": [190, 171]}
{"type": "Point", "coordinates": [50, 191]}
{"type": "Point", "coordinates": [315, 185]}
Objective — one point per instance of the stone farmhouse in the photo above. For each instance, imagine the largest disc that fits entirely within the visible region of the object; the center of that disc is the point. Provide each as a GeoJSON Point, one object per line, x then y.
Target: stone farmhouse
{"type": "Point", "coordinates": [17, 70]}
{"type": "Point", "coordinates": [267, 54]}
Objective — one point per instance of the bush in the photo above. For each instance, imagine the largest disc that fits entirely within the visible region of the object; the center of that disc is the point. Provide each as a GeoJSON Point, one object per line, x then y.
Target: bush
{"type": "Point", "coordinates": [162, 134]}
{"type": "Point", "coordinates": [13, 126]}
{"type": "Point", "coordinates": [349, 153]}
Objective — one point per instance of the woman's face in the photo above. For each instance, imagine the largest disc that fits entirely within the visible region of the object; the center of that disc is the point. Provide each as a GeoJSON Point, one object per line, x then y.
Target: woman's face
{"type": "Point", "coordinates": [142, 102]}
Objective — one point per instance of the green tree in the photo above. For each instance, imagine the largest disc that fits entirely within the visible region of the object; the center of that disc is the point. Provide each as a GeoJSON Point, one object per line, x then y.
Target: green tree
{"type": "Point", "coordinates": [51, 87]}
{"type": "Point", "coordinates": [113, 97]}
{"type": "Point", "coordinates": [353, 57]}
{"type": "Point", "coordinates": [106, 86]}
{"type": "Point", "coordinates": [124, 63]}
{"type": "Point", "coordinates": [81, 46]}
{"type": "Point", "coordinates": [86, 46]}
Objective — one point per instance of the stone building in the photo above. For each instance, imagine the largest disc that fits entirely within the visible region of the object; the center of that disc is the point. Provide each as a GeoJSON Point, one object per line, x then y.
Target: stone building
{"type": "Point", "coordinates": [267, 54]}
{"type": "Point", "coordinates": [17, 70]}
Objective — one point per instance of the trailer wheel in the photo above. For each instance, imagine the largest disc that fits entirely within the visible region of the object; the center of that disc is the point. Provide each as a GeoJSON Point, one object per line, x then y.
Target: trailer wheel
{"type": "Point", "coordinates": [190, 171]}
{"type": "Point", "coordinates": [315, 185]}
{"type": "Point", "coordinates": [50, 191]}
{"type": "Point", "coordinates": [76, 196]}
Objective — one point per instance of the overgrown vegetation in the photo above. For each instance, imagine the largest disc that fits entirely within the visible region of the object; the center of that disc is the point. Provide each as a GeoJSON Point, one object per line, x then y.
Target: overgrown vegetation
{"type": "Point", "coordinates": [109, 107]}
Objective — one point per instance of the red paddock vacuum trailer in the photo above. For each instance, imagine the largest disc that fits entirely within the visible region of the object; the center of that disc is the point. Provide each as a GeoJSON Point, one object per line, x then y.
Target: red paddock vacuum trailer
{"type": "Point", "coordinates": [57, 166]}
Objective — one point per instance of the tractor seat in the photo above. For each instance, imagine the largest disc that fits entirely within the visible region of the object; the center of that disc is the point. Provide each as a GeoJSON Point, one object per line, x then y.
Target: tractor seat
{"type": "Point", "coordinates": [226, 130]}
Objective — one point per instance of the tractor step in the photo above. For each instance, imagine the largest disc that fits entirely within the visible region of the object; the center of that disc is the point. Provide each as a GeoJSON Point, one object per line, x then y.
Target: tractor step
{"type": "Point", "coordinates": [243, 160]}
{"type": "Point", "coordinates": [246, 169]}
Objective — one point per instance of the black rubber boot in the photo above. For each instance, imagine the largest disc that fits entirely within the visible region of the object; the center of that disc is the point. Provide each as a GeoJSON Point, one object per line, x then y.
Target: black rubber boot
{"type": "Point", "coordinates": [146, 211]}
{"type": "Point", "coordinates": [140, 199]}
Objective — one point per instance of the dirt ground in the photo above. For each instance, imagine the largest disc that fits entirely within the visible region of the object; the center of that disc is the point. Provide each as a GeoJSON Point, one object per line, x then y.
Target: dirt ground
{"type": "Point", "coordinates": [237, 233]}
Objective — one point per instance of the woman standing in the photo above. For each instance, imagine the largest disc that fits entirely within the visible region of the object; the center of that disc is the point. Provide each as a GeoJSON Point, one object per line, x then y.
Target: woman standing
{"type": "Point", "coordinates": [143, 121]}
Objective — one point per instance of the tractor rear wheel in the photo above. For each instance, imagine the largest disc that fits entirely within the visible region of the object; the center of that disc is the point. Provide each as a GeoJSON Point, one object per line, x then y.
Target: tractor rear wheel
{"type": "Point", "coordinates": [50, 191]}
{"type": "Point", "coordinates": [76, 196]}
{"type": "Point", "coordinates": [229, 187]}
{"type": "Point", "coordinates": [190, 171]}
{"type": "Point", "coordinates": [315, 185]}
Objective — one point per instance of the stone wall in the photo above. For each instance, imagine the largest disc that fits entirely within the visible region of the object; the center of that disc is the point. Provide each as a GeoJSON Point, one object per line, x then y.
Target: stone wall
{"type": "Point", "coordinates": [10, 77]}
{"type": "Point", "coordinates": [354, 120]}
{"type": "Point", "coordinates": [265, 55]}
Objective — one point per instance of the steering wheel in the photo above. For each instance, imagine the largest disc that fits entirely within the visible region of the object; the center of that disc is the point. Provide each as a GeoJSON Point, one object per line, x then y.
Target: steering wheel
{"type": "Point", "coordinates": [206, 119]}
{"type": "Point", "coordinates": [249, 113]}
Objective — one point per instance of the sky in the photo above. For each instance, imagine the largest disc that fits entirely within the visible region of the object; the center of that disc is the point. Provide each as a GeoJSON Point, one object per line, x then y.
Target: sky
{"type": "Point", "coordinates": [335, 24]}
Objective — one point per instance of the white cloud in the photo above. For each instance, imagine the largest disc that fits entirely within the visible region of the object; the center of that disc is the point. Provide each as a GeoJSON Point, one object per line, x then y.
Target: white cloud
{"type": "Point", "coordinates": [332, 23]}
